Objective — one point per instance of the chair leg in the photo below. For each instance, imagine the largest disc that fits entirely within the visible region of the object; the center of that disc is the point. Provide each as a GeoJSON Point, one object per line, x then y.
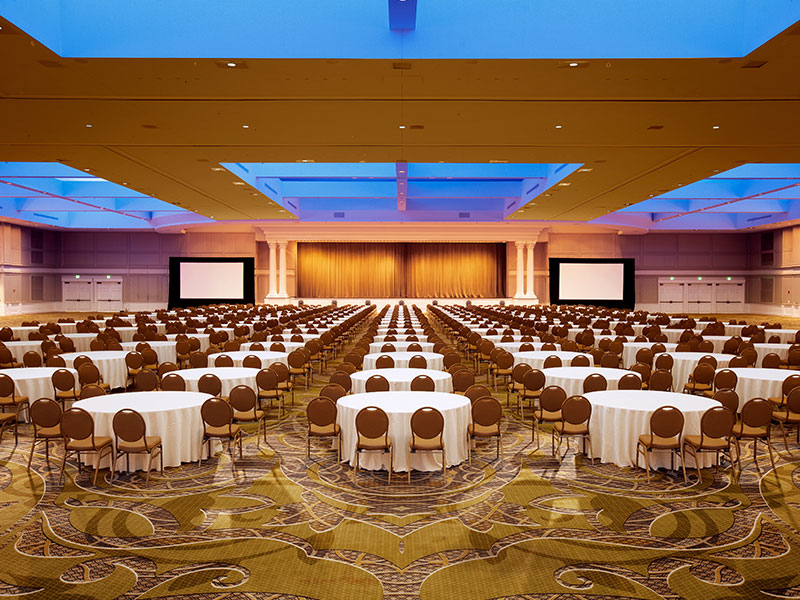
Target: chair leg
{"type": "Point", "coordinates": [30, 457]}
{"type": "Point", "coordinates": [683, 465]}
{"type": "Point", "coordinates": [408, 463]}
{"type": "Point", "coordinates": [769, 449]}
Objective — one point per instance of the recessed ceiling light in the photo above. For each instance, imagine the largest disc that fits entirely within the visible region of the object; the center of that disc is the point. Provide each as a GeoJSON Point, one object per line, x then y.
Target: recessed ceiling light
{"type": "Point", "coordinates": [585, 170]}
{"type": "Point", "coordinates": [217, 169]}
{"type": "Point", "coordinates": [245, 126]}
{"type": "Point", "coordinates": [231, 64]}
{"type": "Point", "coordinates": [88, 125]}
{"type": "Point", "coordinates": [715, 127]}
{"type": "Point", "coordinates": [573, 64]}
{"type": "Point", "coordinates": [238, 183]}
{"type": "Point", "coordinates": [402, 127]}
{"type": "Point", "coordinates": [564, 183]}
{"type": "Point", "coordinates": [558, 126]}
{"type": "Point", "coordinates": [86, 169]}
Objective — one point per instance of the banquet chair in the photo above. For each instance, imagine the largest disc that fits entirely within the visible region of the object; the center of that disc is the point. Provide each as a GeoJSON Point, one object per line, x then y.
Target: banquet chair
{"type": "Point", "coordinates": [372, 431]}
{"type": "Point", "coordinates": [630, 381]}
{"type": "Point", "coordinates": [423, 383]}
{"type": "Point", "coordinates": [346, 367]}
{"type": "Point", "coordinates": [130, 437]}
{"type": "Point", "coordinates": [414, 347]}
{"type": "Point", "coordinates": [595, 383]}
{"type": "Point", "coordinates": [708, 359]}
{"type": "Point", "coordinates": [787, 386]}
{"type": "Point", "coordinates": [551, 362]}
{"type": "Point", "coordinates": [550, 401]}
{"type": "Point", "coordinates": [645, 355]}
{"type": "Point", "coordinates": [134, 364]}
{"type": "Point", "coordinates": [575, 414]}
{"type": "Point", "coordinates": [725, 379]}
{"type": "Point", "coordinates": [569, 346]}
{"type": "Point", "coordinates": [245, 409]}
{"type": "Point", "coordinates": [32, 359]}
{"type": "Point", "coordinates": [502, 366]}
{"type": "Point", "coordinates": [526, 347]}
{"type": "Point", "coordinates": [793, 359]}
{"type": "Point", "coordinates": [299, 368]}
{"type": "Point", "coordinates": [705, 346]}
{"type": "Point", "coordinates": [384, 362]}
{"type": "Point", "coordinates": [427, 435]}
{"type": "Point", "coordinates": [388, 348]}
{"type": "Point", "coordinates": [772, 361]}
{"type": "Point", "coordinates": [660, 381]}
{"type": "Point", "coordinates": [343, 379]}
{"type": "Point", "coordinates": [737, 362]}
{"type": "Point", "coordinates": [321, 415]}
{"type": "Point", "coordinates": [223, 360]}
{"type": "Point", "coordinates": [750, 355]}
{"type": "Point", "coordinates": [66, 344]}
{"type": "Point", "coordinates": [417, 362]}
{"type": "Point", "coordinates": [728, 398]}
{"type": "Point", "coordinates": [516, 382]}
{"type": "Point", "coordinates": [376, 383]}
{"type": "Point", "coordinates": [89, 374]}
{"type": "Point", "coordinates": [77, 428]}
{"type": "Point", "coordinates": [97, 345]}
{"type": "Point", "coordinates": [664, 362]}
{"type": "Point", "coordinates": [183, 351]}
{"type": "Point", "coordinates": [701, 380]}
{"type": "Point", "coordinates": [450, 359]}
{"type": "Point", "coordinates": [150, 359]}
{"type": "Point", "coordinates": [580, 361]}
{"type": "Point", "coordinates": [210, 384]}
{"type": "Point", "coordinates": [788, 414]}
{"type": "Point", "coordinates": [285, 383]}
{"type": "Point", "coordinates": [9, 399]}
{"type": "Point", "coordinates": [484, 355]}
{"type": "Point", "coordinates": [90, 391]}
{"type": "Point", "coordinates": [486, 416]}
{"type": "Point", "coordinates": [533, 381]}
{"type": "Point", "coordinates": [666, 427]}
{"type": "Point", "coordinates": [755, 424]}
{"type": "Point", "coordinates": [716, 435]}
{"type": "Point", "coordinates": [218, 424]}
{"type": "Point", "coordinates": [273, 347]}
{"type": "Point", "coordinates": [610, 360]}
{"type": "Point", "coordinates": [146, 381]}
{"type": "Point", "coordinates": [474, 392]}
{"type": "Point", "coordinates": [198, 360]}
{"type": "Point", "coordinates": [46, 420]}
{"type": "Point", "coordinates": [251, 361]}
{"type": "Point", "coordinates": [7, 360]}
{"type": "Point", "coordinates": [333, 391]}
{"type": "Point", "coordinates": [462, 380]}
{"type": "Point", "coordinates": [63, 386]}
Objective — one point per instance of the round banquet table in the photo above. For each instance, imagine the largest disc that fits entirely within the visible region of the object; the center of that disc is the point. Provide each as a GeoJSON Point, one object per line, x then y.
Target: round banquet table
{"type": "Point", "coordinates": [400, 379]}
{"type": "Point", "coordinates": [400, 346]}
{"type": "Point", "coordinates": [288, 346]}
{"type": "Point", "coordinates": [787, 335]}
{"type": "Point", "coordinates": [759, 383]}
{"type": "Point", "coordinates": [399, 406]}
{"type": "Point", "coordinates": [174, 416]}
{"type": "Point", "coordinates": [762, 350]}
{"type": "Point", "coordinates": [435, 360]}
{"type": "Point", "coordinates": [110, 363]}
{"type": "Point", "coordinates": [536, 358]}
{"type": "Point", "coordinates": [229, 376]}
{"type": "Point", "coordinates": [266, 357]}
{"type": "Point", "coordinates": [34, 382]}
{"type": "Point", "coordinates": [165, 350]}
{"type": "Point", "coordinates": [401, 337]}
{"type": "Point", "coordinates": [514, 346]}
{"type": "Point", "coordinates": [400, 331]}
{"type": "Point", "coordinates": [619, 417]}
{"type": "Point", "coordinates": [201, 337]}
{"type": "Point", "coordinates": [685, 362]}
{"type": "Point", "coordinates": [629, 350]}
{"type": "Point", "coordinates": [18, 349]}
{"type": "Point", "coordinates": [570, 379]}
{"type": "Point", "coordinates": [498, 339]}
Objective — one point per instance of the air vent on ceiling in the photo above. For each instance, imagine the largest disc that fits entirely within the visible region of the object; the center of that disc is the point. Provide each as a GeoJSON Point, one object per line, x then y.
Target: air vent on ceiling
{"type": "Point", "coordinates": [417, 127]}
{"type": "Point", "coordinates": [463, 215]}
{"type": "Point", "coordinates": [754, 64]}
{"type": "Point", "coordinates": [656, 127]}
{"type": "Point", "coordinates": [51, 64]}
{"type": "Point", "coordinates": [338, 215]}
{"type": "Point", "coordinates": [402, 66]}
{"type": "Point", "coordinates": [231, 64]}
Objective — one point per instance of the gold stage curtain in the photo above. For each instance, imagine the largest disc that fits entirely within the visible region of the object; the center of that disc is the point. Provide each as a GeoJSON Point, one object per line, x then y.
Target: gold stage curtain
{"type": "Point", "coordinates": [400, 270]}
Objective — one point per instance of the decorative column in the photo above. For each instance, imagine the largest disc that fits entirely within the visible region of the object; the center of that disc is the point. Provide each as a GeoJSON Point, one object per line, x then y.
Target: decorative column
{"type": "Point", "coordinates": [282, 265]}
{"type": "Point", "coordinates": [520, 269]}
{"type": "Point", "coordinates": [273, 280]}
{"type": "Point", "coordinates": [529, 283]}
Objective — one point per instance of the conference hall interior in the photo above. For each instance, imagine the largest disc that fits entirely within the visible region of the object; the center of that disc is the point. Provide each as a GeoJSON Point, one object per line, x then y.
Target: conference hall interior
{"type": "Point", "coordinates": [402, 299]}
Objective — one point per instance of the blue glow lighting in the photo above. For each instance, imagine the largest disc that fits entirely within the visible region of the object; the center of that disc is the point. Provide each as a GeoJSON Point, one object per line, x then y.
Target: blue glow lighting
{"type": "Point", "coordinates": [527, 29]}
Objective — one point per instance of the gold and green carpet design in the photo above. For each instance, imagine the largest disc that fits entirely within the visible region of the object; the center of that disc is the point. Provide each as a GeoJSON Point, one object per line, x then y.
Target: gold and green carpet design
{"type": "Point", "coordinates": [275, 527]}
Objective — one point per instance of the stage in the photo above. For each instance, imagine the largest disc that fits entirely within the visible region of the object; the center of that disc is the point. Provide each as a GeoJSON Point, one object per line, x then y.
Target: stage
{"type": "Point", "coordinates": [421, 302]}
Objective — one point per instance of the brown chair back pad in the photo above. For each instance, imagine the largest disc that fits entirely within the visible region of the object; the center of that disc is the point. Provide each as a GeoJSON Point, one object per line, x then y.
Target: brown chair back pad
{"type": "Point", "coordinates": [342, 378]}
{"type": "Point", "coordinates": [422, 383]}
{"type": "Point", "coordinates": [427, 423]}
{"type": "Point", "coordinates": [664, 362]}
{"type": "Point", "coordinates": [595, 383]}
{"type": "Point", "coordinates": [209, 384]}
{"type": "Point", "coordinates": [757, 412]}
{"type": "Point", "coordinates": [146, 380]}
{"type": "Point", "coordinates": [80, 360]}
{"type": "Point", "coordinates": [32, 359]}
{"type": "Point", "coordinates": [576, 410]}
{"type": "Point", "coordinates": [384, 362]}
{"type": "Point", "coordinates": [91, 391]}
{"type": "Point", "coordinates": [551, 362]}
{"type": "Point", "coordinates": [504, 360]}
{"type": "Point", "coordinates": [552, 398]}
{"type": "Point", "coordinates": [243, 398]}
{"type": "Point", "coordinates": [377, 383]}
{"type": "Point", "coordinates": [474, 392]}
{"type": "Point", "coordinates": [519, 371]}
{"type": "Point", "coordinates": [725, 379]}
{"type": "Point", "coordinates": [198, 360]}
{"type": "Point", "coordinates": [666, 422]}
{"type": "Point", "coordinates": [172, 382]}
{"type": "Point", "coordinates": [296, 359]}
{"type": "Point", "coordinates": [771, 361]}
{"type": "Point", "coordinates": [7, 388]}
{"type": "Point", "coordinates": [129, 425]}
{"type": "Point", "coordinates": [223, 360]}
{"type": "Point", "coordinates": [717, 422]}
{"type": "Point", "coordinates": [708, 359]}
{"type": "Point", "coordinates": [388, 348]}
{"type": "Point", "coordinates": [580, 361]}
{"type": "Point", "coordinates": [793, 401]}
{"type": "Point", "coordinates": [216, 412]}
{"type": "Point", "coordinates": [703, 373]}
{"type": "Point", "coordinates": [333, 391]}
{"type": "Point", "coordinates": [450, 359]}
{"type": "Point", "coordinates": [267, 379]}
{"type": "Point", "coordinates": [456, 367]}
{"type": "Point", "coordinates": [486, 411]}
{"type": "Point", "coordinates": [372, 422]}
{"type": "Point", "coordinates": [259, 347]}
{"type": "Point", "coordinates": [347, 367]}
{"type": "Point", "coordinates": [63, 380]}
{"type": "Point", "coordinates": [660, 380]}
{"type": "Point", "coordinates": [790, 383]}
{"type": "Point", "coordinates": [77, 424]}
{"type": "Point", "coordinates": [46, 412]}
{"type": "Point", "coordinates": [133, 360]}
{"type": "Point", "coordinates": [417, 362]}
{"type": "Point", "coordinates": [321, 411]}
{"type": "Point", "coordinates": [414, 347]}
{"type": "Point", "coordinates": [251, 361]}
{"type": "Point", "coordinates": [463, 380]}
{"type": "Point", "coordinates": [629, 382]}
{"type": "Point", "coordinates": [729, 399]}
{"type": "Point", "coordinates": [644, 355]}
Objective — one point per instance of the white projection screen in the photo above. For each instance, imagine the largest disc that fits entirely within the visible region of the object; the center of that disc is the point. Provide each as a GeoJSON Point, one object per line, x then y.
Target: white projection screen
{"type": "Point", "coordinates": [591, 281]}
{"type": "Point", "coordinates": [200, 280]}
{"type": "Point", "coordinates": [609, 282]}
{"type": "Point", "coordinates": [212, 280]}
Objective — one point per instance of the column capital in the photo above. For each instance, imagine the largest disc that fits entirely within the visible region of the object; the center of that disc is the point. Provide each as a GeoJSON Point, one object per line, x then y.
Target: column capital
{"type": "Point", "coordinates": [530, 244]}
{"type": "Point", "coordinates": [520, 245]}
{"type": "Point", "coordinates": [272, 243]}
{"type": "Point", "coordinates": [282, 244]}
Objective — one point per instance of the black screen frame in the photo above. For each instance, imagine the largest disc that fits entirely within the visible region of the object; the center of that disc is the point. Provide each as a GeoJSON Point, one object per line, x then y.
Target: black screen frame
{"type": "Point", "coordinates": [628, 283]}
{"type": "Point", "coordinates": [248, 283]}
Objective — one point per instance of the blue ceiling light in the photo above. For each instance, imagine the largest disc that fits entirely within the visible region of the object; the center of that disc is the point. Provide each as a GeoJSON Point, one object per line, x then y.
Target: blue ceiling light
{"type": "Point", "coordinates": [402, 15]}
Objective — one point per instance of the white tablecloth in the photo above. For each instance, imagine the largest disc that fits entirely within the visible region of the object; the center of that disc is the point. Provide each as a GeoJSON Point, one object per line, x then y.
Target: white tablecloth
{"type": "Point", "coordinates": [110, 363]}
{"type": "Point", "coordinates": [229, 376]}
{"type": "Point", "coordinates": [570, 379]}
{"type": "Point", "coordinates": [400, 346]}
{"type": "Point", "coordinates": [786, 335]}
{"type": "Point", "coordinates": [629, 350]}
{"type": "Point", "coordinates": [514, 346]}
{"type": "Point", "coordinates": [165, 350]}
{"type": "Point", "coordinates": [435, 361]}
{"type": "Point", "coordinates": [536, 358]}
{"type": "Point", "coordinates": [401, 337]}
{"type": "Point", "coordinates": [174, 416]}
{"type": "Point", "coordinates": [288, 346]}
{"type": "Point", "coordinates": [399, 406]}
{"type": "Point", "coordinates": [684, 363]}
{"type": "Point", "coordinates": [759, 383]}
{"type": "Point", "coordinates": [498, 339]}
{"type": "Point", "coordinates": [400, 379]}
{"type": "Point", "coordinates": [400, 331]}
{"type": "Point", "coordinates": [619, 417]}
{"type": "Point", "coordinates": [201, 337]}
{"type": "Point", "coordinates": [18, 349]}
{"type": "Point", "coordinates": [762, 350]}
{"type": "Point", "coordinates": [34, 382]}
{"type": "Point", "coordinates": [267, 357]}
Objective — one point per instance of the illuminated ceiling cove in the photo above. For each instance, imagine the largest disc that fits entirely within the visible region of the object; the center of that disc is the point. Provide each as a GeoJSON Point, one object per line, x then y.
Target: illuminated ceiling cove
{"type": "Point", "coordinates": [401, 29]}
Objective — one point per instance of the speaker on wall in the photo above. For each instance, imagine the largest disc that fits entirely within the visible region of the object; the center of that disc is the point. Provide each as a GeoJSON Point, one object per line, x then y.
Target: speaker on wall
{"type": "Point", "coordinates": [334, 303]}
{"type": "Point", "coordinates": [367, 302]}
{"type": "Point", "coordinates": [469, 302]}
{"type": "Point", "coordinates": [402, 302]}
{"type": "Point", "coordinates": [502, 302]}
{"type": "Point", "coordinates": [435, 303]}
{"type": "Point", "coordinates": [300, 303]}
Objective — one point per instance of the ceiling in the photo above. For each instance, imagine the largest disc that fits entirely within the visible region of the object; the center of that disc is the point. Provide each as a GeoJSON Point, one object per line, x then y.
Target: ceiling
{"type": "Point", "coordinates": [640, 128]}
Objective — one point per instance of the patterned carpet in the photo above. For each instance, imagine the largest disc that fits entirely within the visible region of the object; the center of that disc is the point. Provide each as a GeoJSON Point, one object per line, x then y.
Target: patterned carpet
{"type": "Point", "coordinates": [273, 527]}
